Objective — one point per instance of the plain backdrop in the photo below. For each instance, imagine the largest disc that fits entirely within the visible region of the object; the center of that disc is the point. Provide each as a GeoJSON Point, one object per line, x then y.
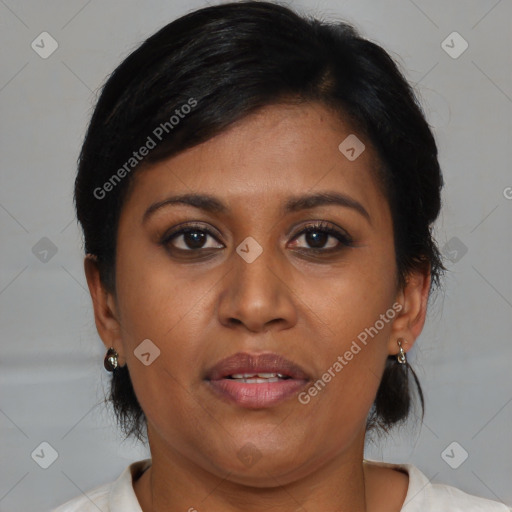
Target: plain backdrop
{"type": "Point", "coordinates": [52, 377]}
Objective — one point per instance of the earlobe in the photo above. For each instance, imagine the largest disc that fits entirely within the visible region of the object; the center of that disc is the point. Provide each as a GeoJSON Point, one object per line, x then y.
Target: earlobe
{"type": "Point", "coordinates": [411, 319]}
{"type": "Point", "coordinates": [105, 315]}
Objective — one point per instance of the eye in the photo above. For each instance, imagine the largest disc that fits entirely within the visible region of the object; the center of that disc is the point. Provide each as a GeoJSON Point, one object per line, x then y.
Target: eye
{"type": "Point", "coordinates": [193, 237]}
{"type": "Point", "coordinates": [317, 236]}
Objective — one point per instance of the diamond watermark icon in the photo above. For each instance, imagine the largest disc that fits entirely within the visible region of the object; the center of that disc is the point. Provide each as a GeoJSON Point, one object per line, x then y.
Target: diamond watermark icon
{"type": "Point", "coordinates": [454, 249]}
{"type": "Point", "coordinates": [45, 455]}
{"type": "Point", "coordinates": [454, 45]}
{"type": "Point", "coordinates": [44, 45]}
{"type": "Point", "coordinates": [249, 249]}
{"type": "Point", "coordinates": [146, 352]}
{"type": "Point", "coordinates": [249, 454]}
{"type": "Point", "coordinates": [44, 250]}
{"type": "Point", "coordinates": [351, 147]}
{"type": "Point", "coordinates": [454, 455]}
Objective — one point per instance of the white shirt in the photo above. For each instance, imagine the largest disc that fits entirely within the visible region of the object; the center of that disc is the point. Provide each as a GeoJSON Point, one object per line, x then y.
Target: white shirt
{"type": "Point", "coordinates": [422, 496]}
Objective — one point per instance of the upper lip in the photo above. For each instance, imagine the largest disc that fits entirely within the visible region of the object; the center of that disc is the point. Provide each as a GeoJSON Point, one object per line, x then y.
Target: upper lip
{"type": "Point", "coordinates": [243, 362]}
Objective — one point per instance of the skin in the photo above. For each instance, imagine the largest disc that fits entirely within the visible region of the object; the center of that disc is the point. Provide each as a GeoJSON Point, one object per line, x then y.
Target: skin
{"type": "Point", "coordinates": [198, 310]}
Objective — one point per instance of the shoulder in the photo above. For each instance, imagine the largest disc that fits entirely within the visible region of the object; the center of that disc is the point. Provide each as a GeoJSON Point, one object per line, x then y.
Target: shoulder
{"type": "Point", "coordinates": [424, 496]}
{"type": "Point", "coordinates": [91, 501]}
{"type": "Point", "coordinates": [456, 499]}
{"type": "Point", "coordinates": [117, 496]}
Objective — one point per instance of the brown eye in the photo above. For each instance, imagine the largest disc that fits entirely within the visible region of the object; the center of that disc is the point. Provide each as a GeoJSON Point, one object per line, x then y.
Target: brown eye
{"type": "Point", "coordinates": [190, 238]}
{"type": "Point", "coordinates": [318, 235]}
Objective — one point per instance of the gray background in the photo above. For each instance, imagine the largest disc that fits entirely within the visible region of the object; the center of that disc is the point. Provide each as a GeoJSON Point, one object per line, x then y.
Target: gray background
{"type": "Point", "coordinates": [52, 378]}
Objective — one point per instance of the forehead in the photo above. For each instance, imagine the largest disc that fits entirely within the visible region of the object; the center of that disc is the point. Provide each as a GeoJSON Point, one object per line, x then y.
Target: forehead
{"type": "Point", "coordinates": [279, 151]}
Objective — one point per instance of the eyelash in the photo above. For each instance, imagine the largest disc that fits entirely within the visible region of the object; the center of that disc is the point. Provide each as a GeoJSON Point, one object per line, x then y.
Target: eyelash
{"type": "Point", "coordinates": [319, 227]}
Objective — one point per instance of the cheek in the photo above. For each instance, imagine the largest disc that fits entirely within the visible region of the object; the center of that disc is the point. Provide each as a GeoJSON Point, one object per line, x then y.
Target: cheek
{"type": "Point", "coordinates": [358, 307]}
{"type": "Point", "coordinates": [161, 304]}
{"type": "Point", "coordinates": [151, 293]}
{"type": "Point", "coordinates": [162, 308]}
{"type": "Point", "coordinates": [354, 300]}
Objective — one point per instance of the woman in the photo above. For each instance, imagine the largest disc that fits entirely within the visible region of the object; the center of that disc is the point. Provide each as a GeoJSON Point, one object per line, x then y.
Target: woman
{"type": "Point", "coordinates": [257, 191]}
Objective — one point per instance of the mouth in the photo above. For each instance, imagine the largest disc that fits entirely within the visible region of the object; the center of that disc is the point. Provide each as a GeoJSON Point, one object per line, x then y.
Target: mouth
{"type": "Point", "coordinates": [256, 381]}
{"type": "Point", "coordinates": [258, 378]}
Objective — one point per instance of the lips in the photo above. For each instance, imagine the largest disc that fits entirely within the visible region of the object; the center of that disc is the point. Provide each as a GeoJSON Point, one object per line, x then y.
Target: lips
{"type": "Point", "coordinates": [255, 381]}
{"type": "Point", "coordinates": [243, 363]}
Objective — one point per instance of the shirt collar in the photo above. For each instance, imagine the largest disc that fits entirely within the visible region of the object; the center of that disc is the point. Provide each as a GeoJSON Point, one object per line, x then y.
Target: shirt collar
{"type": "Point", "coordinates": [122, 496]}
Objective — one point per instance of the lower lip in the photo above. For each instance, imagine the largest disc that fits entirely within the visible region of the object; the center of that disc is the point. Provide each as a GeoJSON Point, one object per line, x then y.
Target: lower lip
{"type": "Point", "coordinates": [256, 395]}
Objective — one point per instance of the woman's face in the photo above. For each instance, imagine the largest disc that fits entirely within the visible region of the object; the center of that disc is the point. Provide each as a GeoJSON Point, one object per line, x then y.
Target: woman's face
{"type": "Point", "coordinates": [247, 280]}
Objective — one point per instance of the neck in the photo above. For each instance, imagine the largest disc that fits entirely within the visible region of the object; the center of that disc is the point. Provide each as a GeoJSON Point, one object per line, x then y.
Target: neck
{"type": "Point", "coordinates": [175, 482]}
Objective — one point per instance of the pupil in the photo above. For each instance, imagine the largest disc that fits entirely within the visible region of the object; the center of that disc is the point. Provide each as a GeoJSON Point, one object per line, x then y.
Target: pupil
{"type": "Point", "coordinates": [196, 237]}
{"type": "Point", "coordinates": [316, 238]}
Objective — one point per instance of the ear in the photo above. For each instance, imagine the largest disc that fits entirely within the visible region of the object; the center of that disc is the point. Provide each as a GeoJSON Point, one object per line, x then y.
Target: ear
{"type": "Point", "coordinates": [410, 320]}
{"type": "Point", "coordinates": [105, 313]}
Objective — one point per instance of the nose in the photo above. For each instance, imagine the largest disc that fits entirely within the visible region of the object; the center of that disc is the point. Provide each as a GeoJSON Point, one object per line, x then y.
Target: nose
{"type": "Point", "coordinates": [257, 295]}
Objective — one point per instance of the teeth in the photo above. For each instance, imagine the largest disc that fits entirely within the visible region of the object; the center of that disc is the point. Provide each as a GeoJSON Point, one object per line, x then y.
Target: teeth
{"type": "Point", "coordinates": [258, 381]}
{"type": "Point", "coordinates": [258, 378]}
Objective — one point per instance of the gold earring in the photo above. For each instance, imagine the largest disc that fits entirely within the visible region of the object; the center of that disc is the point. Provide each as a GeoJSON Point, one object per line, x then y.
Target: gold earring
{"type": "Point", "coordinates": [401, 353]}
{"type": "Point", "coordinates": [111, 360]}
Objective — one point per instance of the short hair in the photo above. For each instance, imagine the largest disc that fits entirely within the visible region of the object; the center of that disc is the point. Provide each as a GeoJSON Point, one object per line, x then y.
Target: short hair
{"type": "Point", "coordinates": [225, 62]}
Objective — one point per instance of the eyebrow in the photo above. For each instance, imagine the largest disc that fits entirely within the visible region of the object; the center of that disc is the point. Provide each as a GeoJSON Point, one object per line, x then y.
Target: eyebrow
{"type": "Point", "coordinates": [212, 204]}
